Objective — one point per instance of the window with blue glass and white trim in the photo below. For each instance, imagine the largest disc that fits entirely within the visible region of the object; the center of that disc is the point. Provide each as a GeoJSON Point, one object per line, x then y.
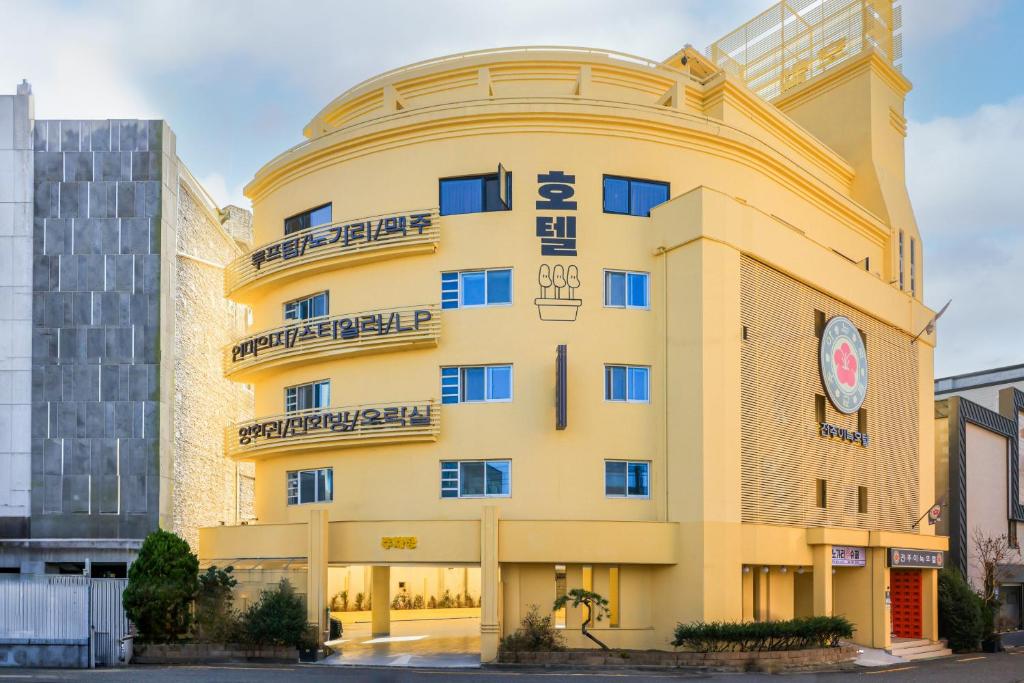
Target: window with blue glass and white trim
{"type": "Point", "coordinates": [627, 479]}
{"type": "Point", "coordinates": [626, 289]}
{"type": "Point", "coordinates": [476, 478]}
{"type": "Point", "coordinates": [312, 306]}
{"type": "Point", "coordinates": [627, 383]}
{"type": "Point", "coordinates": [476, 288]}
{"type": "Point", "coordinates": [632, 196]}
{"type": "Point", "coordinates": [476, 384]}
{"type": "Point", "coordinates": [307, 396]}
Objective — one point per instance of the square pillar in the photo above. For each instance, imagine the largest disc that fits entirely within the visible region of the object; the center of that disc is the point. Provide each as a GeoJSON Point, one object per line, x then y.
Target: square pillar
{"type": "Point", "coordinates": [316, 572]}
{"type": "Point", "coordinates": [882, 621]}
{"type": "Point", "coordinates": [822, 556]}
{"type": "Point", "coordinates": [930, 604]}
{"type": "Point", "coordinates": [490, 627]}
{"type": "Point", "coordinates": [380, 600]}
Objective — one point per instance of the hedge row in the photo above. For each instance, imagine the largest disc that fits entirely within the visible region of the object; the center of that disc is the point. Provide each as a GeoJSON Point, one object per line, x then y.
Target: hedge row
{"type": "Point", "coordinates": [763, 636]}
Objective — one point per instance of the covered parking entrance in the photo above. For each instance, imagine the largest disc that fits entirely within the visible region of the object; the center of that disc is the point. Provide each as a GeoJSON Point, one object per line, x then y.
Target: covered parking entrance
{"type": "Point", "coordinates": [405, 615]}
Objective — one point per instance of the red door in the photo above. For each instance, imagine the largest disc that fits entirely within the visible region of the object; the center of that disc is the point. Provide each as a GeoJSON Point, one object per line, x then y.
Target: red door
{"type": "Point", "coordinates": [905, 585]}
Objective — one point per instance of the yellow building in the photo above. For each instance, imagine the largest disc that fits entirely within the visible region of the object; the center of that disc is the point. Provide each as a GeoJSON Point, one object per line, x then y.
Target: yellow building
{"type": "Point", "coordinates": [577, 318]}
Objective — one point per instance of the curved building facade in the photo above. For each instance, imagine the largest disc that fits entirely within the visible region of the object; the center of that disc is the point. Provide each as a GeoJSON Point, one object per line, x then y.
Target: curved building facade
{"type": "Point", "coordinates": [558, 314]}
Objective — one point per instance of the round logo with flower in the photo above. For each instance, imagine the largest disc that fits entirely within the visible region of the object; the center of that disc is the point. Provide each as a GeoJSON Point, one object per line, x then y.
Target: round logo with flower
{"type": "Point", "coordinates": [844, 365]}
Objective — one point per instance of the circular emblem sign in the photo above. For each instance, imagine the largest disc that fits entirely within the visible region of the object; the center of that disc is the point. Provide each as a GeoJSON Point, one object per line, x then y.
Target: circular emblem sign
{"type": "Point", "coordinates": [844, 365]}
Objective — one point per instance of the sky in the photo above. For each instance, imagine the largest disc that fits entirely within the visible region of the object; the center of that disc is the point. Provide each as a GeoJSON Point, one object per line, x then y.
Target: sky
{"type": "Point", "coordinates": [238, 79]}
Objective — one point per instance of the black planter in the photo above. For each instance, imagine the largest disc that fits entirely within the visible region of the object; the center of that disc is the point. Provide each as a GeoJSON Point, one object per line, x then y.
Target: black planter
{"type": "Point", "coordinates": [993, 643]}
{"type": "Point", "coordinates": [309, 654]}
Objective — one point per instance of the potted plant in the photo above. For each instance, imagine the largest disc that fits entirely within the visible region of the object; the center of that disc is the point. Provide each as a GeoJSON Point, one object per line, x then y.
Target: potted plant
{"type": "Point", "coordinates": [309, 644]}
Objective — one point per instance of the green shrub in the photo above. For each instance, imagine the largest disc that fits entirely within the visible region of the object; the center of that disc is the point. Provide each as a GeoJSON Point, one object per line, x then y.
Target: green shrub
{"type": "Point", "coordinates": [961, 612]}
{"type": "Point", "coordinates": [278, 618]}
{"type": "Point", "coordinates": [215, 617]}
{"type": "Point", "coordinates": [535, 634]}
{"type": "Point", "coordinates": [162, 582]}
{"type": "Point", "coordinates": [763, 636]}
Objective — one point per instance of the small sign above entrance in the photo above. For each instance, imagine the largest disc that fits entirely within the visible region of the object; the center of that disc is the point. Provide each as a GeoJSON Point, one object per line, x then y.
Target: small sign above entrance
{"type": "Point", "coordinates": [848, 556]}
{"type": "Point", "coordinates": [398, 542]}
{"type": "Point", "coordinates": [906, 558]}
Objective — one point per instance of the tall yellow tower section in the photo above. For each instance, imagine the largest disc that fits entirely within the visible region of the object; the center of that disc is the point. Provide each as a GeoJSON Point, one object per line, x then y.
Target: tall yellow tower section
{"type": "Point", "coordinates": [583, 319]}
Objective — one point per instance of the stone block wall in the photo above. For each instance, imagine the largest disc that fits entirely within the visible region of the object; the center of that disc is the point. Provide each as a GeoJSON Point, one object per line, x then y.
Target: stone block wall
{"type": "Point", "coordinates": [209, 489]}
{"type": "Point", "coordinates": [16, 163]}
{"type": "Point", "coordinates": [96, 285]}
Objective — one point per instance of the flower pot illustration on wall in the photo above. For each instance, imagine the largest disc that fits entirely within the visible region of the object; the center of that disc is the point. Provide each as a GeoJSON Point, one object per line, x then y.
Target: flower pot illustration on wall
{"type": "Point", "coordinates": [557, 300]}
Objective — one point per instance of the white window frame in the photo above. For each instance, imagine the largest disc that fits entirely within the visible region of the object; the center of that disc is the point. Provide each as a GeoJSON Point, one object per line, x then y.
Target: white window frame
{"type": "Point", "coordinates": [626, 304]}
{"type": "Point", "coordinates": [627, 399]}
{"type": "Point", "coordinates": [484, 272]}
{"type": "Point", "coordinates": [304, 384]}
{"type": "Point", "coordinates": [327, 300]}
{"type": "Point", "coordinates": [292, 486]}
{"type": "Point", "coordinates": [487, 383]}
{"type": "Point", "coordinates": [458, 479]}
{"type": "Point", "coordinates": [627, 494]}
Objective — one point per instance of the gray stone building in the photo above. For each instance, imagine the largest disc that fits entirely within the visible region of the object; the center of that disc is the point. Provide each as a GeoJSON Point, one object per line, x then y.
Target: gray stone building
{"type": "Point", "coordinates": [99, 222]}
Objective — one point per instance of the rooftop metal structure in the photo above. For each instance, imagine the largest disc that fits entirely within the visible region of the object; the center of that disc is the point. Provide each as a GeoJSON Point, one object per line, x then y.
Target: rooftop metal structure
{"type": "Point", "coordinates": [795, 40]}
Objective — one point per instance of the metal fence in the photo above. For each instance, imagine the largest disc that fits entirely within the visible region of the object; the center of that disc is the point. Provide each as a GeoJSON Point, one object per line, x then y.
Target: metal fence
{"type": "Point", "coordinates": [63, 608]}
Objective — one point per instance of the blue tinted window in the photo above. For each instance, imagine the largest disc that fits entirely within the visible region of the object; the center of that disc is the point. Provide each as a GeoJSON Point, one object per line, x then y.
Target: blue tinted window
{"type": "Point", "coordinates": [449, 290]}
{"type": "Point", "coordinates": [474, 292]}
{"type": "Point", "coordinates": [307, 219]}
{"type": "Point", "coordinates": [644, 196]}
{"type": "Point", "coordinates": [638, 384]}
{"type": "Point", "coordinates": [497, 481]}
{"type": "Point", "coordinates": [499, 287]}
{"type": "Point", "coordinates": [474, 194]}
{"type": "Point", "coordinates": [636, 484]}
{"type": "Point", "coordinates": [616, 195]}
{"type": "Point", "coordinates": [614, 288]}
{"type": "Point", "coordinates": [615, 383]}
{"type": "Point", "coordinates": [473, 384]}
{"type": "Point", "coordinates": [614, 478]}
{"type": "Point", "coordinates": [471, 475]}
{"type": "Point", "coordinates": [499, 383]}
{"type": "Point", "coordinates": [450, 479]}
{"type": "Point", "coordinates": [462, 195]}
{"type": "Point", "coordinates": [633, 197]}
{"type": "Point", "coordinates": [637, 290]}
{"type": "Point", "coordinates": [309, 307]}
{"type": "Point", "coordinates": [320, 216]}
{"type": "Point", "coordinates": [449, 385]}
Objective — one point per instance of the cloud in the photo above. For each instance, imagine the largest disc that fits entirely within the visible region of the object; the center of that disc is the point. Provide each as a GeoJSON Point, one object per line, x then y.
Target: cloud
{"type": "Point", "coordinates": [926, 21]}
{"type": "Point", "coordinates": [217, 186]}
{"type": "Point", "coordinates": [963, 176]}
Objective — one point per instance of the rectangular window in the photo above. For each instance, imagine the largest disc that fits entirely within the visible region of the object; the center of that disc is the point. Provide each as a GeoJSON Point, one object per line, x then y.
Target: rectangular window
{"type": "Point", "coordinates": [629, 383]}
{"type": "Point", "coordinates": [307, 396]}
{"type": "Point", "coordinates": [474, 194]}
{"type": "Point", "coordinates": [321, 215]}
{"type": "Point", "coordinates": [475, 288]}
{"type": "Point", "coordinates": [819, 408]}
{"type": "Point", "coordinates": [901, 259]}
{"type": "Point", "coordinates": [626, 289]}
{"type": "Point", "coordinates": [476, 478]}
{"type": "Point", "coordinates": [862, 421]}
{"type": "Point", "coordinates": [633, 197]}
{"type": "Point", "coordinates": [820, 493]}
{"type": "Point", "coordinates": [819, 323]}
{"type": "Point", "coordinates": [311, 486]}
{"type": "Point", "coordinates": [1012, 536]}
{"type": "Point", "coordinates": [312, 306]}
{"type": "Point", "coordinates": [626, 479]}
{"type": "Point", "coordinates": [476, 384]}
{"type": "Point", "coordinates": [862, 499]}
{"type": "Point", "coordinates": [913, 267]}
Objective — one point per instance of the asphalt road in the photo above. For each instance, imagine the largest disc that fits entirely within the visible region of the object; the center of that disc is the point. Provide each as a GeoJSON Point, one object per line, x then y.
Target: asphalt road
{"type": "Point", "coordinates": [1007, 667]}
